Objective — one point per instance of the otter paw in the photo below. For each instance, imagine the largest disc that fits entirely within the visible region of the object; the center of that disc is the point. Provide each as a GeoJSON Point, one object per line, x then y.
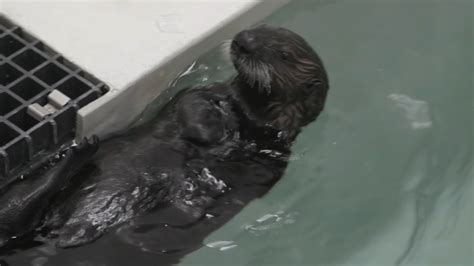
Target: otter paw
{"type": "Point", "coordinates": [87, 146]}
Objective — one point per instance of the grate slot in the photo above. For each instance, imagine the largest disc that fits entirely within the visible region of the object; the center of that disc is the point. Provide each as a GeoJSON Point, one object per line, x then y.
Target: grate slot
{"type": "Point", "coordinates": [9, 45]}
{"type": "Point", "coordinates": [29, 59]}
{"type": "Point", "coordinates": [73, 88]}
{"type": "Point", "coordinates": [7, 134]}
{"type": "Point", "coordinates": [7, 104]}
{"type": "Point", "coordinates": [8, 74]}
{"type": "Point", "coordinates": [51, 73]}
{"type": "Point", "coordinates": [27, 88]}
{"type": "Point", "coordinates": [23, 120]}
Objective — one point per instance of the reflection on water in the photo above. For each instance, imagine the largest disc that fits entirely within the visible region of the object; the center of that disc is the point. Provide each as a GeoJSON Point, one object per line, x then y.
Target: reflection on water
{"type": "Point", "coordinates": [415, 111]}
{"type": "Point", "coordinates": [384, 177]}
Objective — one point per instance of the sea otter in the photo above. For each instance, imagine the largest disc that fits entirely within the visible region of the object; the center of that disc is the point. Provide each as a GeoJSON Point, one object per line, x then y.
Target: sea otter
{"type": "Point", "coordinates": [209, 146]}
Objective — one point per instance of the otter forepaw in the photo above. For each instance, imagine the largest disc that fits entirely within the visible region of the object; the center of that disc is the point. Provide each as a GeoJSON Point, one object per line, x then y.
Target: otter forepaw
{"type": "Point", "coordinates": [87, 146]}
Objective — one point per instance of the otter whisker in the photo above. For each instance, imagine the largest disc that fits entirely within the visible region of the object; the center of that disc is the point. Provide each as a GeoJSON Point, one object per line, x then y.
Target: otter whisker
{"type": "Point", "coordinates": [265, 77]}
{"type": "Point", "coordinates": [258, 75]}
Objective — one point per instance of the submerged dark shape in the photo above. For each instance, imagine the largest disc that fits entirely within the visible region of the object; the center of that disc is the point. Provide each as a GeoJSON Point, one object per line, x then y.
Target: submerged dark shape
{"type": "Point", "coordinates": [211, 150]}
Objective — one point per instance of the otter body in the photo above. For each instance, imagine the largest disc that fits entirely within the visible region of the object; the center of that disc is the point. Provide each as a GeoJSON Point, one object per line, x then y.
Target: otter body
{"type": "Point", "coordinates": [209, 147]}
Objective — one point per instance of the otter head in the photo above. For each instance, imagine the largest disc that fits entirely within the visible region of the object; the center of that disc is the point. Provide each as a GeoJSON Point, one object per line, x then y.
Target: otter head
{"type": "Point", "coordinates": [281, 79]}
{"type": "Point", "coordinates": [275, 60]}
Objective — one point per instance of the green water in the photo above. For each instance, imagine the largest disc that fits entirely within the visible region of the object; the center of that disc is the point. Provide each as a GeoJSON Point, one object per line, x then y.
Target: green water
{"type": "Point", "coordinates": [385, 175]}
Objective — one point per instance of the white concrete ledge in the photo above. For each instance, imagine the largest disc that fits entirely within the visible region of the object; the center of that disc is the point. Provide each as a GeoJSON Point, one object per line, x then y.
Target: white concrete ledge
{"type": "Point", "coordinates": [136, 47]}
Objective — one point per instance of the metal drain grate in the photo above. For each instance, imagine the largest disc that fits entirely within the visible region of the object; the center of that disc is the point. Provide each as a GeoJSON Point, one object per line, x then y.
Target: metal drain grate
{"type": "Point", "coordinates": [40, 93]}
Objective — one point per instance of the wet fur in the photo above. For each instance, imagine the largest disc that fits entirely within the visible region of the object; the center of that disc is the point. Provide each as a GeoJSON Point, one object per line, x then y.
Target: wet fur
{"type": "Point", "coordinates": [202, 154]}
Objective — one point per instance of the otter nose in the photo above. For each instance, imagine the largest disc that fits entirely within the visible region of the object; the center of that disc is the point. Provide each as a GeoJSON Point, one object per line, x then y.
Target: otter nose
{"type": "Point", "coordinates": [245, 42]}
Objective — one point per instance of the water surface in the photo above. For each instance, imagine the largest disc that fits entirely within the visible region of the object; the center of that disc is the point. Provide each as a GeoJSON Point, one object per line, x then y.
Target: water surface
{"type": "Point", "coordinates": [385, 175]}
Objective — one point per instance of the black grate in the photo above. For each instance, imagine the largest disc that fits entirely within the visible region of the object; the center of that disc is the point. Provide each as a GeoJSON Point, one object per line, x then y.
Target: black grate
{"type": "Point", "coordinates": [29, 72]}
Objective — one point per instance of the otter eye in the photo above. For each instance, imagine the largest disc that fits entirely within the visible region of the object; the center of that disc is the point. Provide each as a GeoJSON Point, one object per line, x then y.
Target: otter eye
{"type": "Point", "coordinates": [284, 55]}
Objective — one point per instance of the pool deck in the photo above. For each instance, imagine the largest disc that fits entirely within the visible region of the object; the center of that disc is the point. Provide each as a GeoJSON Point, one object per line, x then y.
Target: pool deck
{"type": "Point", "coordinates": [136, 47]}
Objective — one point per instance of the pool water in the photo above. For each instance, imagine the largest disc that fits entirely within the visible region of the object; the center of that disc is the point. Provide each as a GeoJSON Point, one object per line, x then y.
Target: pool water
{"type": "Point", "coordinates": [383, 177]}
